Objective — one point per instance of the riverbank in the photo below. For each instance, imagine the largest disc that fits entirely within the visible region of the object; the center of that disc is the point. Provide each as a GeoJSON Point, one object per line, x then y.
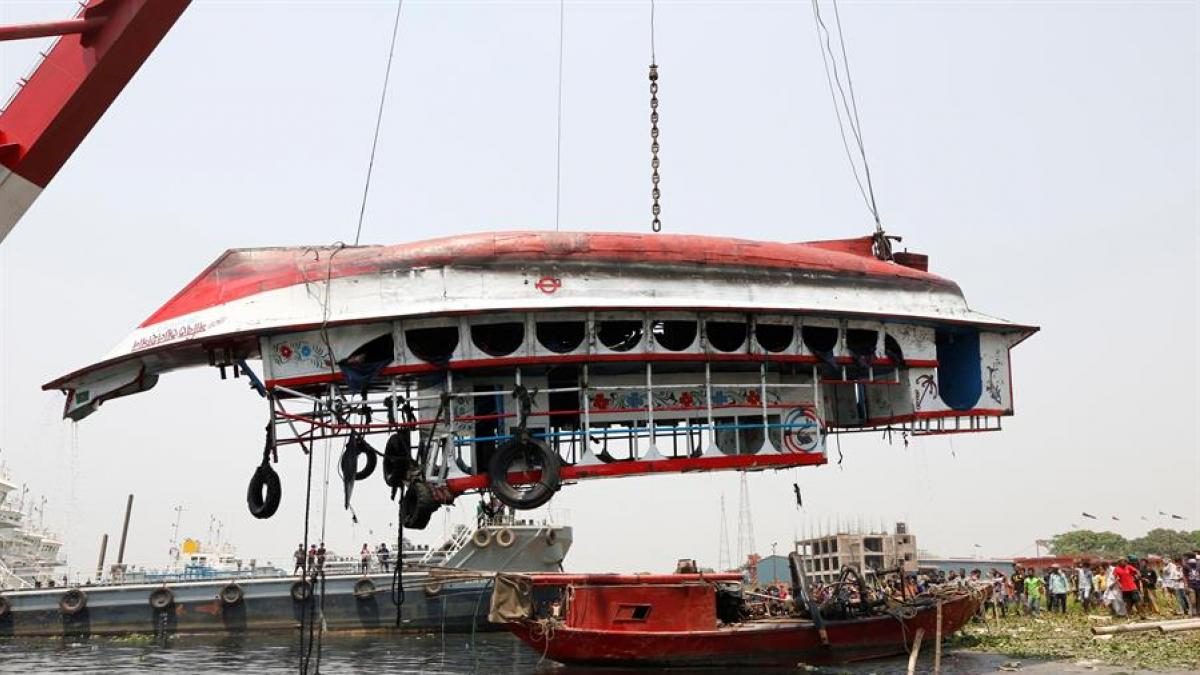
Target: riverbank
{"type": "Point", "coordinates": [1068, 639]}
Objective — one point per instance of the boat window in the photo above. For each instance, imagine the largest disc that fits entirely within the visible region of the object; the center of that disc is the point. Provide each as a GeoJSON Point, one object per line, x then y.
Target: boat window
{"type": "Point", "coordinates": [959, 381]}
{"type": "Point", "coordinates": [620, 336]}
{"type": "Point", "coordinates": [891, 349]}
{"type": "Point", "coordinates": [819, 339]}
{"type": "Point", "coordinates": [560, 337]}
{"type": "Point", "coordinates": [498, 339]}
{"type": "Point", "coordinates": [379, 350]}
{"type": "Point", "coordinates": [632, 612]}
{"type": "Point", "coordinates": [774, 337]}
{"type": "Point", "coordinates": [861, 342]}
{"type": "Point", "coordinates": [674, 336]}
{"type": "Point", "coordinates": [433, 345]}
{"type": "Point", "coordinates": [725, 336]}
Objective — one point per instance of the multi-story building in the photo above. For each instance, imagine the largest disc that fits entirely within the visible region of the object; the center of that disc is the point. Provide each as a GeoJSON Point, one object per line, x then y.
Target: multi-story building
{"type": "Point", "coordinates": [825, 556]}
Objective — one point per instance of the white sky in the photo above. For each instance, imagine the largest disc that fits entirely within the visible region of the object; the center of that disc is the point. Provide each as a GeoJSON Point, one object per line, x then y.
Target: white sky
{"type": "Point", "coordinates": [1043, 154]}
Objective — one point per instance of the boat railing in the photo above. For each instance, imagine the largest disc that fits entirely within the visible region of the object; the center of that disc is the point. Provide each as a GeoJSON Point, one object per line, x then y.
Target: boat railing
{"type": "Point", "coordinates": [9, 580]}
{"type": "Point", "coordinates": [439, 555]}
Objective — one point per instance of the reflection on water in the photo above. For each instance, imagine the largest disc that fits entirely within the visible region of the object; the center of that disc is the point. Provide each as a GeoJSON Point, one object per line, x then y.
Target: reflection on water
{"type": "Point", "coordinates": [490, 653]}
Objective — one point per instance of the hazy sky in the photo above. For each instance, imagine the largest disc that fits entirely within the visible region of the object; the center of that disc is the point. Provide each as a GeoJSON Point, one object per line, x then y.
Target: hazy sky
{"type": "Point", "coordinates": [1043, 154]}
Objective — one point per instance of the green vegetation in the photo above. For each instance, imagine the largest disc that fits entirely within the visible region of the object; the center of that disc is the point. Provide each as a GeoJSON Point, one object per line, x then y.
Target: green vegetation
{"type": "Point", "coordinates": [1059, 637]}
{"type": "Point", "coordinates": [1159, 541]}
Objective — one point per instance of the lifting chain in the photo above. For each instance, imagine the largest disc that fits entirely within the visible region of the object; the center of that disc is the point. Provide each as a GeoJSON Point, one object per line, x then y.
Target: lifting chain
{"type": "Point", "coordinates": [656, 223]}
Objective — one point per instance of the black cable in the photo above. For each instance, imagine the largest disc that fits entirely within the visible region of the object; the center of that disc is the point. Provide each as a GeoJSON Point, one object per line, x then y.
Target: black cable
{"type": "Point", "coordinates": [398, 572]}
{"type": "Point", "coordinates": [387, 73]}
{"type": "Point", "coordinates": [303, 666]}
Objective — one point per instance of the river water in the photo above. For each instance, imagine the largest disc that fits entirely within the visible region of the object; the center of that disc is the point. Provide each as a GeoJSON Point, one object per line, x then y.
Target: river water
{"type": "Point", "coordinates": [489, 653]}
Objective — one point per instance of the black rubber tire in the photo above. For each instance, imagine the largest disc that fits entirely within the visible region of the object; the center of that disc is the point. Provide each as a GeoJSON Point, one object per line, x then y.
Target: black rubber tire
{"type": "Point", "coordinates": [503, 458]}
{"type": "Point", "coordinates": [72, 602]}
{"type": "Point", "coordinates": [5, 607]}
{"type": "Point", "coordinates": [397, 457]}
{"type": "Point", "coordinates": [354, 447]}
{"type": "Point", "coordinates": [230, 595]}
{"type": "Point", "coordinates": [301, 591]}
{"type": "Point", "coordinates": [264, 506]}
{"type": "Point", "coordinates": [505, 538]}
{"type": "Point", "coordinates": [364, 589]}
{"type": "Point", "coordinates": [432, 588]}
{"type": "Point", "coordinates": [161, 598]}
{"type": "Point", "coordinates": [417, 505]}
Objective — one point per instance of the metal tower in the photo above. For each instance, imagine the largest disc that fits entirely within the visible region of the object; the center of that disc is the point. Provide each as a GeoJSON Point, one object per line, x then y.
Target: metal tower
{"type": "Point", "coordinates": [724, 564]}
{"type": "Point", "coordinates": [745, 545]}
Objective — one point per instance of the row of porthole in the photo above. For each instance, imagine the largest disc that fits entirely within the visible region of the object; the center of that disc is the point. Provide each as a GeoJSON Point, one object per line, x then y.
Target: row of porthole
{"type": "Point", "coordinates": [437, 344]}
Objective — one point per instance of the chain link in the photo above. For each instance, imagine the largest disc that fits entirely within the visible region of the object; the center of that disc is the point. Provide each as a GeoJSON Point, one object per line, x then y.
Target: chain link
{"type": "Point", "coordinates": [656, 209]}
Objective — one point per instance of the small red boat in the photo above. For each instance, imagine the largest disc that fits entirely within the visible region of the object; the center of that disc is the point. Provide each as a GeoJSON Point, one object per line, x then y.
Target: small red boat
{"type": "Point", "coordinates": [674, 620]}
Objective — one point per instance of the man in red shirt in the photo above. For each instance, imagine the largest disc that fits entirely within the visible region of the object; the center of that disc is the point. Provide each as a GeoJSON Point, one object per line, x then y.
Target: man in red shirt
{"type": "Point", "coordinates": [1127, 579]}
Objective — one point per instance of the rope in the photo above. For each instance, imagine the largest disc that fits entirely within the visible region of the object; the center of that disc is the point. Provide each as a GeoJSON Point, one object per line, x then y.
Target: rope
{"type": "Point", "coordinates": [378, 121]}
{"type": "Point", "coordinates": [304, 657]}
{"type": "Point", "coordinates": [558, 147]}
{"type": "Point", "coordinates": [849, 106]}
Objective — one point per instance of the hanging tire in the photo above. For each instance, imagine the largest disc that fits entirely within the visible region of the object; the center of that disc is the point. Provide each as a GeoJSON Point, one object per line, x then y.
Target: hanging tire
{"type": "Point", "coordinates": [397, 457]}
{"type": "Point", "coordinates": [230, 595]}
{"type": "Point", "coordinates": [536, 456]}
{"type": "Point", "coordinates": [432, 588]}
{"type": "Point", "coordinates": [551, 537]}
{"type": "Point", "coordinates": [418, 505]}
{"type": "Point", "coordinates": [161, 598]}
{"type": "Point", "coordinates": [364, 589]}
{"type": "Point", "coordinates": [505, 538]}
{"type": "Point", "coordinates": [72, 602]}
{"type": "Point", "coordinates": [264, 493]}
{"type": "Point", "coordinates": [301, 591]}
{"type": "Point", "coordinates": [5, 607]}
{"type": "Point", "coordinates": [481, 538]}
{"type": "Point", "coordinates": [356, 446]}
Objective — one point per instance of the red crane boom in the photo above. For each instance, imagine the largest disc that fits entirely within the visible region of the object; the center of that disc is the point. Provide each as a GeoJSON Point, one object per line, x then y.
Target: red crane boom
{"type": "Point", "coordinates": [79, 78]}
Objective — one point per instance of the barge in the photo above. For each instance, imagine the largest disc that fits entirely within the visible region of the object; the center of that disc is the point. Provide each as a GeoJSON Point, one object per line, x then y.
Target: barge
{"type": "Point", "coordinates": [451, 595]}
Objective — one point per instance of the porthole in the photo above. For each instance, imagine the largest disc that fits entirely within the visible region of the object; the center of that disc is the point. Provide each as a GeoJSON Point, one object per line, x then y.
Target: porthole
{"type": "Point", "coordinates": [619, 335]}
{"type": "Point", "coordinates": [725, 336]}
{"type": "Point", "coordinates": [819, 339]}
{"type": "Point", "coordinates": [560, 337]}
{"type": "Point", "coordinates": [774, 337]}
{"type": "Point", "coordinates": [432, 345]}
{"type": "Point", "coordinates": [892, 350]}
{"type": "Point", "coordinates": [861, 342]}
{"type": "Point", "coordinates": [498, 339]}
{"type": "Point", "coordinates": [673, 336]}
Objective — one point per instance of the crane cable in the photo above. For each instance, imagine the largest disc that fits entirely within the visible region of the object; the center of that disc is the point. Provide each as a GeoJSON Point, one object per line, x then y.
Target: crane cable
{"type": "Point", "coordinates": [849, 107]}
{"type": "Point", "coordinates": [558, 142]}
{"type": "Point", "coordinates": [362, 209]}
{"type": "Point", "coordinates": [655, 209]}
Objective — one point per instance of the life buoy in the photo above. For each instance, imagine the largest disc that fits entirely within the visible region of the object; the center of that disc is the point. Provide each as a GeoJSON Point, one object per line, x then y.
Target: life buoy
{"type": "Point", "coordinates": [161, 598]}
{"type": "Point", "coordinates": [536, 456]}
{"type": "Point", "coordinates": [432, 588]}
{"type": "Point", "coordinates": [5, 606]}
{"type": "Point", "coordinates": [301, 591]}
{"type": "Point", "coordinates": [230, 594]}
{"type": "Point", "coordinates": [505, 538]}
{"type": "Point", "coordinates": [354, 447]}
{"type": "Point", "coordinates": [364, 588]}
{"type": "Point", "coordinates": [264, 505]}
{"type": "Point", "coordinates": [417, 505]}
{"type": "Point", "coordinates": [481, 538]}
{"type": "Point", "coordinates": [72, 602]}
{"type": "Point", "coordinates": [397, 457]}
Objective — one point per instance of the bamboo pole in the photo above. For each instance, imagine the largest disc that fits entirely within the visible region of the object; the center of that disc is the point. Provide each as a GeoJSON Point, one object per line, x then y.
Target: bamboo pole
{"type": "Point", "coordinates": [937, 645]}
{"type": "Point", "coordinates": [1140, 626]}
{"type": "Point", "coordinates": [1179, 626]}
{"type": "Point", "coordinates": [916, 651]}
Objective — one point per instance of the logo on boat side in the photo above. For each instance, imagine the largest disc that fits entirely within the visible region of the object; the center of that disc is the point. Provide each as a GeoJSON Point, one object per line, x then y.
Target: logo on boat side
{"type": "Point", "coordinates": [548, 285]}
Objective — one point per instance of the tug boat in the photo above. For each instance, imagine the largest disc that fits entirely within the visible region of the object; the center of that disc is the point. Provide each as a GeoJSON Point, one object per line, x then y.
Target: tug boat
{"type": "Point", "coordinates": [517, 362]}
{"type": "Point", "coordinates": [690, 620]}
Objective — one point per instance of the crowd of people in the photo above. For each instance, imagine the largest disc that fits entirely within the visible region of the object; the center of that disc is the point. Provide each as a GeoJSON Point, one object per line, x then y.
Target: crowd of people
{"type": "Point", "coordinates": [379, 558]}
{"type": "Point", "coordinates": [1125, 587]}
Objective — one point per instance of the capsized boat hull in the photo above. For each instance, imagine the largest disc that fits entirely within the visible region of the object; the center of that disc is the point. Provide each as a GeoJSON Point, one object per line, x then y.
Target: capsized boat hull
{"type": "Point", "coordinates": [770, 642]}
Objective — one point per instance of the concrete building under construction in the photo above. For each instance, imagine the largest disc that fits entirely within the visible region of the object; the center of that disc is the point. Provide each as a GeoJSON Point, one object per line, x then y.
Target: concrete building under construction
{"type": "Point", "coordinates": [825, 556]}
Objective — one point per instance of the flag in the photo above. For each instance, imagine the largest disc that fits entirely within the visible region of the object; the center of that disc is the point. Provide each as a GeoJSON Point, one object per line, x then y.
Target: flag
{"type": "Point", "coordinates": [1177, 517]}
{"type": "Point", "coordinates": [1115, 518]}
{"type": "Point", "coordinates": [1088, 515]}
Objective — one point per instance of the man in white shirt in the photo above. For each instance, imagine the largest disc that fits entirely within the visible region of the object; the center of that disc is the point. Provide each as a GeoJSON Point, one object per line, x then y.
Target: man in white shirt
{"type": "Point", "coordinates": [1172, 580]}
{"type": "Point", "coordinates": [1083, 585]}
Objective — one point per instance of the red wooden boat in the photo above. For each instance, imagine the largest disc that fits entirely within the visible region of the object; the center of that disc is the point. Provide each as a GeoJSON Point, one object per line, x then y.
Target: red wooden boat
{"type": "Point", "coordinates": [672, 620]}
